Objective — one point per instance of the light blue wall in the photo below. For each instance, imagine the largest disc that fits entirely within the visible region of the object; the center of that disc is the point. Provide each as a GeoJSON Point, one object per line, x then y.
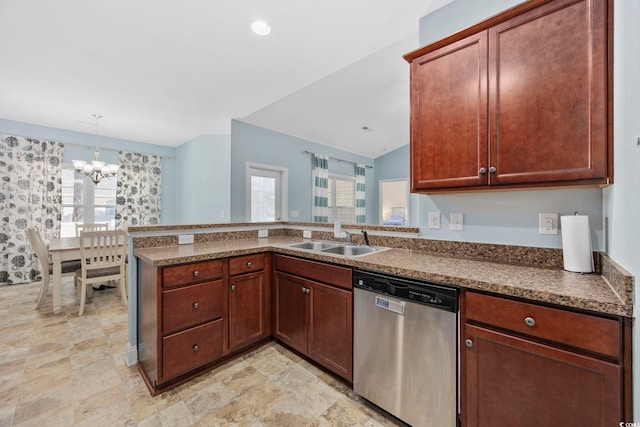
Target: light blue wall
{"type": "Point", "coordinates": [622, 199]}
{"type": "Point", "coordinates": [168, 214]}
{"type": "Point", "coordinates": [499, 217]}
{"type": "Point", "coordinates": [205, 172]}
{"type": "Point", "coordinates": [258, 145]}
{"type": "Point", "coordinates": [459, 15]}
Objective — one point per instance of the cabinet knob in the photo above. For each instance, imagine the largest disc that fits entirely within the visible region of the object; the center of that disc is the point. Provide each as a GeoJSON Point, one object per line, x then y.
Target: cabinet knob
{"type": "Point", "coordinates": [196, 305]}
{"type": "Point", "coordinates": [468, 342]}
{"type": "Point", "coordinates": [482, 171]}
{"type": "Point", "coordinates": [492, 169]}
{"type": "Point", "coordinates": [304, 290]}
{"type": "Point", "coordinates": [307, 291]}
{"type": "Point", "coordinates": [233, 287]}
{"type": "Point", "coordinates": [530, 321]}
{"type": "Point", "coordinates": [249, 264]}
{"type": "Point", "coordinates": [196, 273]}
{"type": "Point", "coordinates": [196, 348]}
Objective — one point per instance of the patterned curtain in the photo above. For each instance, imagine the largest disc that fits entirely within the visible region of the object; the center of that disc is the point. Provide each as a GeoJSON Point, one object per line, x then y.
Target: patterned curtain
{"type": "Point", "coordinates": [361, 212]}
{"type": "Point", "coordinates": [320, 188]}
{"type": "Point", "coordinates": [30, 194]}
{"type": "Point", "coordinates": [138, 190]}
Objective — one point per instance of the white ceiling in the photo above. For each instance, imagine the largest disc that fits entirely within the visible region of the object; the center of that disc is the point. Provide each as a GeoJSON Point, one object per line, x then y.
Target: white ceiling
{"type": "Point", "coordinates": [166, 71]}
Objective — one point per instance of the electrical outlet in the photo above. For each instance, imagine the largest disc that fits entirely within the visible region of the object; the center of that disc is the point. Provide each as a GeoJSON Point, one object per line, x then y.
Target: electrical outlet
{"type": "Point", "coordinates": [263, 233]}
{"type": "Point", "coordinates": [434, 220]}
{"type": "Point", "coordinates": [548, 223]}
{"type": "Point", "coordinates": [456, 222]}
{"type": "Point", "coordinates": [185, 239]}
{"type": "Point", "coordinates": [306, 234]}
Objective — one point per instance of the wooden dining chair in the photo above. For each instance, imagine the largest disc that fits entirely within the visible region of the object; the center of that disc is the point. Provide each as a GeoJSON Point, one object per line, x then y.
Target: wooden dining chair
{"type": "Point", "coordinates": [102, 258]}
{"type": "Point", "coordinates": [100, 226]}
{"type": "Point", "coordinates": [41, 251]}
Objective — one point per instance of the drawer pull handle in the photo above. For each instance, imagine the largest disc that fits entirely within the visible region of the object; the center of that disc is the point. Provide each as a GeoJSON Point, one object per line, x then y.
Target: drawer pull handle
{"type": "Point", "coordinates": [468, 342]}
{"type": "Point", "coordinates": [196, 273]}
{"type": "Point", "coordinates": [196, 348]}
{"type": "Point", "coordinates": [196, 305]}
{"type": "Point", "coordinates": [249, 264]}
{"type": "Point", "coordinates": [530, 321]}
{"type": "Point", "coordinates": [233, 287]}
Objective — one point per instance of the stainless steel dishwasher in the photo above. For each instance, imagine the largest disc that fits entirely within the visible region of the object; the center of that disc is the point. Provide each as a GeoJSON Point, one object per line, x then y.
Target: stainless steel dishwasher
{"type": "Point", "coordinates": [405, 352]}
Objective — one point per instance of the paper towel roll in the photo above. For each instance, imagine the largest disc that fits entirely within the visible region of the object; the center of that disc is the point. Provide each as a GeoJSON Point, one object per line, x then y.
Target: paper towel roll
{"type": "Point", "coordinates": [576, 243]}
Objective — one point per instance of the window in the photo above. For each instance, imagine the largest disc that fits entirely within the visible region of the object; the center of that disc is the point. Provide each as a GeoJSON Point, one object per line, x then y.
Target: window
{"type": "Point", "coordinates": [342, 196]}
{"type": "Point", "coordinates": [85, 202]}
{"type": "Point", "coordinates": [394, 202]}
{"type": "Point", "coordinates": [266, 193]}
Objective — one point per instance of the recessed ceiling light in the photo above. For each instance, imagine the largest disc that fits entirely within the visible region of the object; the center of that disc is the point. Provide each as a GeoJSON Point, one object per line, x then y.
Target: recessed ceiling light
{"type": "Point", "coordinates": [261, 28]}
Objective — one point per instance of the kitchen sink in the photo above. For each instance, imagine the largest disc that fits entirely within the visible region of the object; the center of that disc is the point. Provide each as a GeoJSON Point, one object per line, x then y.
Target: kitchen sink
{"type": "Point", "coordinates": [347, 250]}
{"type": "Point", "coordinates": [316, 246]}
{"type": "Point", "coordinates": [336, 248]}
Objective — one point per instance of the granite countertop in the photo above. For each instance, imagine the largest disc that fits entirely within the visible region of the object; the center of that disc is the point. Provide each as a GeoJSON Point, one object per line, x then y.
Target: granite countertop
{"type": "Point", "coordinates": [590, 292]}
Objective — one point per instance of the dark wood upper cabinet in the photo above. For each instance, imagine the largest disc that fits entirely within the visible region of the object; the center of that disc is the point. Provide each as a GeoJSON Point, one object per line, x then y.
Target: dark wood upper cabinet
{"type": "Point", "coordinates": [449, 115]}
{"type": "Point", "coordinates": [520, 100]}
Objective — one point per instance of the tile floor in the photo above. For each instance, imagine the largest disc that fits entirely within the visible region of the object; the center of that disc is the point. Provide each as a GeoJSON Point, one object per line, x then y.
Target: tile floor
{"type": "Point", "coordinates": [65, 370]}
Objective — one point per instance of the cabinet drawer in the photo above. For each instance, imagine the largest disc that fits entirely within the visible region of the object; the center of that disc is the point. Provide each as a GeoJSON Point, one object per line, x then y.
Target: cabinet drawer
{"type": "Point", "coordinates": [246, 264]}
{"type": "Point", "coordinates": [191, 305]}
{"type": "Point", "coordinates": [191, 273]}
{"type": "Point", "coordinates": [591, 333]}
{"type": "Point", "coordinates": [192, 348]}
{"type": "Point", "coordinates": [326, 273]}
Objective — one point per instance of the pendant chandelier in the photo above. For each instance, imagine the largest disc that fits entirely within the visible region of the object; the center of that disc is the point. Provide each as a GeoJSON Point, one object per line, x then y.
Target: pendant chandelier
{"type": "Point", "coordinates": [96, 169]}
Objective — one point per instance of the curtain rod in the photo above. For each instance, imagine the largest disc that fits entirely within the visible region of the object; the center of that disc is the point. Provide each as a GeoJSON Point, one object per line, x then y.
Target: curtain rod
{"type": "Point", "coordinates": [93, 147]}
{"type": "Point", "coordinates": [335, 158]}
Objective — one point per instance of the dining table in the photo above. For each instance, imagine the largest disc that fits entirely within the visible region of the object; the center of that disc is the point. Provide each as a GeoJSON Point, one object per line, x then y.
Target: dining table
{"type": "Point", "coordinates": [61, 249]}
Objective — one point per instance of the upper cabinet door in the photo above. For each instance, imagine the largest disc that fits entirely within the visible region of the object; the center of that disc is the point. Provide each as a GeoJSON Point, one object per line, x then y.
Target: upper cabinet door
{"type": "Point", "coordinates": [548, 95]}
{"type": "Point", "coordinates": [449, 115]}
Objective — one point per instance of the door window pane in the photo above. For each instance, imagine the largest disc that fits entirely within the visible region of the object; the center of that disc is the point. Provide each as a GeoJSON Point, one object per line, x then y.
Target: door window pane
{"type": "Point", "coordinates": [263, 199]}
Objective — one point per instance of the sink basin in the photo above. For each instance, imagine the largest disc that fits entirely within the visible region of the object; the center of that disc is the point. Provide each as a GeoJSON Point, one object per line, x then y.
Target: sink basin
{"type": "Point", "coordinates": [315, 246]}
{"type": "Point", "coordinates": [350, 250]}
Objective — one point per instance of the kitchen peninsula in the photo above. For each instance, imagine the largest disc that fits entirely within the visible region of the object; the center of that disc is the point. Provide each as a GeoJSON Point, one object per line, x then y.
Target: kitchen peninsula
{"type": "Point", "coordinates": [520, 276]}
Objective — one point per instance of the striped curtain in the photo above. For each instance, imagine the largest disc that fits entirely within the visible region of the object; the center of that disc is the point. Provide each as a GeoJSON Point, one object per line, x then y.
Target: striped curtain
{"type": "Point", "coordinates": [320, 188]}
{"type": "Point", "coordinates": [361, 212]}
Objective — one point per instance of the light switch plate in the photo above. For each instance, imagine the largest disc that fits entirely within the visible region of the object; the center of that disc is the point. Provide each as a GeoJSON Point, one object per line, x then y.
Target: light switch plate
{"type": "Point", "coordinates": [263, 233]}
{"type": "Point", "coordinates": [456, 222]}
{"type": "Point", "coordinates": [185, 239]}
{"type": "Point", "coordinates": [306, 234]}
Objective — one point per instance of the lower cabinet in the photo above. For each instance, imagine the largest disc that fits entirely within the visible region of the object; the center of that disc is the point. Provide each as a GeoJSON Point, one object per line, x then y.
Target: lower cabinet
{"type": "Point", "coordinates": [314, 311]}
{"type": "Point", "coordinates": [530, 365]}
{"type": "Point", "coordinates": [249, 300]}
{"type": "Point", "coordinates": [191, 316]}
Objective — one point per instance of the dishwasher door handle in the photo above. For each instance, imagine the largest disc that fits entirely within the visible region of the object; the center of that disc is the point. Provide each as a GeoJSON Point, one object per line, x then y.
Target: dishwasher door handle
{"type": "Point", "coordinates": [387, 304]}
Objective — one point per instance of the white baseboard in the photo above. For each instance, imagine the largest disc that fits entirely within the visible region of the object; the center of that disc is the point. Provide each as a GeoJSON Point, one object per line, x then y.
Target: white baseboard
{"type": "Point", "coordinates": [131, 356]}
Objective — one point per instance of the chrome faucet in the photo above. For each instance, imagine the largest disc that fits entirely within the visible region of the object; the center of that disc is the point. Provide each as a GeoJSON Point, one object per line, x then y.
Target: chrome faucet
{"type": "Point", "coordinates": [347, 238]}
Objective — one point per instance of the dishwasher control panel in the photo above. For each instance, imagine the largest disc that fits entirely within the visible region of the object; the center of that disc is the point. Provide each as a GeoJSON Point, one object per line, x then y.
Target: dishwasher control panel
{"type": "Point", "coordinates": [428, 293]}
